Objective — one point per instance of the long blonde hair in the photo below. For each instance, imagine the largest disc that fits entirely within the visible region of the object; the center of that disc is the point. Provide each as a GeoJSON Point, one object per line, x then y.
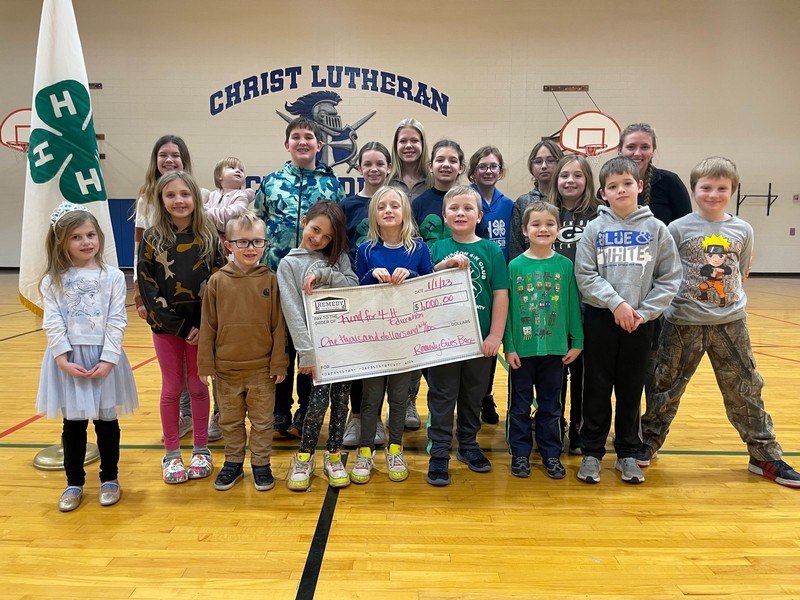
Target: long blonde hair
{"type": "Point", "coordinates": [407, 231]}
{"type": "Point", "coordinates": [57, 255]}
{"type": "Point", "coordinates": [421, 165]}
{"type": "Point", "coordinates": [161, 236]}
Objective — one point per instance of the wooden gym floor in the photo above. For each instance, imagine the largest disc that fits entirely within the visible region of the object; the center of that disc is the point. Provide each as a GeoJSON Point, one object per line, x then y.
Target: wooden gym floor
{"type": "Point", "coordinates": [701, 525]}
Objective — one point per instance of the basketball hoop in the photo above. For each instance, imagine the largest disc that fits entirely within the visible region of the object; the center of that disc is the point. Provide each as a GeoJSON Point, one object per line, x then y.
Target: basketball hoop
{"type": "Point", "coordinates": [594, 149]}
{"type": "Point", "coordinates": [590, 133]}
{"type": "Point", "coordinates": [14, 132]}
{"type": "Point", "coordinates": [20, 151]}
{"type": "Point", "coordinates": [18, 146]}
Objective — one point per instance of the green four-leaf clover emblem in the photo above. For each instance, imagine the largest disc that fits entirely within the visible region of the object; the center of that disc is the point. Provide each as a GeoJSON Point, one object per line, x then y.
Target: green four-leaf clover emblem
{"type": "Point", "coordinates": [68, 149]}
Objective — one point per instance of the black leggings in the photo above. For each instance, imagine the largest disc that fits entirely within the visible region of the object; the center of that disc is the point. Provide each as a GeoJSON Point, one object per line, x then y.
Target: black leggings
{"type": "Point", "coordinates": [73, 440]}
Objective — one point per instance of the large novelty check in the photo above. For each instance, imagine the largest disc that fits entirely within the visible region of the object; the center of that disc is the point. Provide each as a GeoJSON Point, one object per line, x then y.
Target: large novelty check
{"type": "Point", "coordinates": [383, 329]}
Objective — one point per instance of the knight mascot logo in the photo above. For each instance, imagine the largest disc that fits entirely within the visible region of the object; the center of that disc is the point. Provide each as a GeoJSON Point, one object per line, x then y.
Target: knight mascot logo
{"type": "Point", "coordinates": [339, 143]}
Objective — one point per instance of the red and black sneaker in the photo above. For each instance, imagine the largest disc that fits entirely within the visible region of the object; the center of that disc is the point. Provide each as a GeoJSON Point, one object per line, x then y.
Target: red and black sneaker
{"type": "Point", "coordinates": [645, 455]}
{"type": "Point", "coordinates": [777, 470]}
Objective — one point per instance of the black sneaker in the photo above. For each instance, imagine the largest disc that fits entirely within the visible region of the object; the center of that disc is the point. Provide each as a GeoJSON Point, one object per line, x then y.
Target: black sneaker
{"type": "Point", "coordinates": [645, 455]}
{"type": "Point", "coordinates": [296, 428]}
{"type": "Point", "coordinates": [489, 411]}
{"type": "Point", "coordinates": [262, 478]}
{"type": "Point", "coordinates": [281, 428]}
{"type": "Point", "coordinates": [437, 472]}
{"type": "Point", "coordinates": [555, 470]}
{"type": "Point", "coordinates": [777, 470]}
{"type": "Point", "coordinates": [230, 473]}
{"type": "Point", "coordinates": [520, 466]}
{"type": "Point", "coordinates": [475, 460]}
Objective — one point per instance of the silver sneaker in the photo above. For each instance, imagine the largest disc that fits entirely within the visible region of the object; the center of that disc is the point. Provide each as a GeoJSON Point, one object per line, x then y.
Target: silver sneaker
{"type": "Point", "coordinates": [631, 473]}
{"type": "Point", "coordinates": [214, 430]}
{"type": "Point", "coordinates": [412, 416]}
{"type": "Point", "coordinates": [590, 470]}
{"type": "Point", "coordinates": [352, 431]}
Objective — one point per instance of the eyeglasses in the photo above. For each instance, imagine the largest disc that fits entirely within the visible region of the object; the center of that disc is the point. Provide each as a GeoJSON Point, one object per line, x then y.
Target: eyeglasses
{"type": "Point", "coordinates": [540, 161]}
{"type": "Point", "coordinates": [484, 168]}
{"type": "Point", "coordinates": [244, 244]}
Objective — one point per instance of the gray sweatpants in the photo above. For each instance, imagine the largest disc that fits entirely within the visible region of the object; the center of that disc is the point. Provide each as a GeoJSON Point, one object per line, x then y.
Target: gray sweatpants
{"type": "Point", "coordinates": [396, 387]}
{"type": "Point", "coordinates": [731, 355]}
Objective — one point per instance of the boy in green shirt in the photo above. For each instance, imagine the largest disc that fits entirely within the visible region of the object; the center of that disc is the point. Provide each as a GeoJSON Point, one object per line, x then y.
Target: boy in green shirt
{"type": "Point", "coordinates": [459, 386]}
{"type": "Point", "coordinates": [544, 315]}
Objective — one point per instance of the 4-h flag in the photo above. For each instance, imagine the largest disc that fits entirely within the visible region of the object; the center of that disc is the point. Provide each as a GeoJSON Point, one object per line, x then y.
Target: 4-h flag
{"type": "Point", "coordinates": [63, 163]}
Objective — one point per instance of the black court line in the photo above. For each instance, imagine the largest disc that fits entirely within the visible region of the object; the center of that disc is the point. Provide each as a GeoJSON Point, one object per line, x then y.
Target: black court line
{"type": "Point", "coordinates": [308, 581]}
{"type": "Point", "coordinates": [18, 312]}
{"type": "Point", "coordinates": [11, 337]}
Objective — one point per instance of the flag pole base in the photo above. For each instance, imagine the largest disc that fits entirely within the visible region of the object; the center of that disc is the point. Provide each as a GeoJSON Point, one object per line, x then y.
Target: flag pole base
{"type": "Point", "coordinates": [52, 457]}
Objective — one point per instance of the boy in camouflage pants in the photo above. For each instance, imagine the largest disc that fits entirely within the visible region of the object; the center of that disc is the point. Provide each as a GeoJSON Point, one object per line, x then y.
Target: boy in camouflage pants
{"type": "Point", "coordinates": [708, 316]}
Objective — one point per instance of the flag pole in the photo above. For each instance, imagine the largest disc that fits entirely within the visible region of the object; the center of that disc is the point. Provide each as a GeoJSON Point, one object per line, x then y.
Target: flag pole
{"type": "Point", "coordinates": [63, 163]}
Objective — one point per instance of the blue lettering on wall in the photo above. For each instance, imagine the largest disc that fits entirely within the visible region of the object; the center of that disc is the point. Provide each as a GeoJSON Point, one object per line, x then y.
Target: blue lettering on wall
{"type": "Point", "coordinates": [329, 76]}
{"type": "Point", "coordinates": [253, 87]}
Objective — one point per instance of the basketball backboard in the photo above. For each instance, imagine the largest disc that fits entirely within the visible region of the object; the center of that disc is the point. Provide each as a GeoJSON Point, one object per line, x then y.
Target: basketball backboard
{"type": "Point", "coordinates": [590, 133]}
{"type": "Point", "coordinates": [15, 130]}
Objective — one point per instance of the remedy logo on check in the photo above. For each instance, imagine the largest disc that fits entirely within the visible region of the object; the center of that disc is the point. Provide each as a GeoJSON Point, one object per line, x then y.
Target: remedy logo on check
{"type": "Point", "coordinates": [330, 305]}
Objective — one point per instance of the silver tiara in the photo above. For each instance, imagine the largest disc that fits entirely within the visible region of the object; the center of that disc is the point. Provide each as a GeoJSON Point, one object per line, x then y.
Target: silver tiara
{"type": "Point", "coordinates": [64, 208]}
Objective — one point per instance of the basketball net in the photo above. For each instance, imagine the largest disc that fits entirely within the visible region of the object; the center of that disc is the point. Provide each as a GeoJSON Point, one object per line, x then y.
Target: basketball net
{"type": "Point", "coordinates": [594, 149]}
{"type": "Point", "coordinates": [20, 150]}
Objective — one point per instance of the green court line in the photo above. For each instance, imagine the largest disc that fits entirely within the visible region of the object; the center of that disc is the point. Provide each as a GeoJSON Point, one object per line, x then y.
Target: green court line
{"type": "Point", "coordinates": [419, 450]}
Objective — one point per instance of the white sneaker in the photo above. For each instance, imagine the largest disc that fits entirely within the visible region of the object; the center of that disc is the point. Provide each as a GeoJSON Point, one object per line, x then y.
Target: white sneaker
{"type": "Point", "coordinates": [300, 475]}
{"type": "Point", "coordinates": [395, 463]}
{"type": "Point", "coordinates": [352, 431]}
{"type": "Point", "coordinates": [412, 416]}
{"type": "Point", "coordinates": [214, 430]}
{"type": "Point", "coordinates": [380, 435]}
{"type": "Point", "coordinates": [362, 471]}
{"type": "Point", "coordinates": [334, 469]}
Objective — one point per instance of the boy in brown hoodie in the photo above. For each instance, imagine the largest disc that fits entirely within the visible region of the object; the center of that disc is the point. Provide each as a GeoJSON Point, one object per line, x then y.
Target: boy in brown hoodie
{"type": "Point", "coordinates": [242, 344]}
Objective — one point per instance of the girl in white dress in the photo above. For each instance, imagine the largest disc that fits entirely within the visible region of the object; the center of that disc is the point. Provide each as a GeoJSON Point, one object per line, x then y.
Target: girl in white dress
{"type": "Point", "coordinates": [85, 373]}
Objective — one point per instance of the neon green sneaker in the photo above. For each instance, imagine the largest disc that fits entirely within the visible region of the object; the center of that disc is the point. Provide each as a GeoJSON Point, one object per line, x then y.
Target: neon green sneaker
{"type": "Point", "coordinates": [362, 470]}
{"type": "Point", "coordinates": [302, 468]}
{"type": "Point", "coordinates": [395, 463]}
{"type": "Point", "coordinates": [334, 469]}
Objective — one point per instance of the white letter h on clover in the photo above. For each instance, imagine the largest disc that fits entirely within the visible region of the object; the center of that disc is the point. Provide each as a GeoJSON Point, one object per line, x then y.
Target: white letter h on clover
{"type": "Point", "coordinates": [65, 103]}
{"type": "Point", "coordinates": [93, 179]}
{"type": "Point", "coordinates": [42, 158]}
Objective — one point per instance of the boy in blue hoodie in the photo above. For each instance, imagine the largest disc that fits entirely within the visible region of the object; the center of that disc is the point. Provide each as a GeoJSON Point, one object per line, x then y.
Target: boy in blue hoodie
{"type": "Point", "coordinates": [628, 271]}
{"type": "Point", "coordinates": [282, 199]}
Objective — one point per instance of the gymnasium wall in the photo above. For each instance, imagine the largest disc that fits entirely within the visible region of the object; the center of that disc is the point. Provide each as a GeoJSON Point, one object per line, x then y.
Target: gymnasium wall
{"type": "Point", "coordinates": [712, 76]}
